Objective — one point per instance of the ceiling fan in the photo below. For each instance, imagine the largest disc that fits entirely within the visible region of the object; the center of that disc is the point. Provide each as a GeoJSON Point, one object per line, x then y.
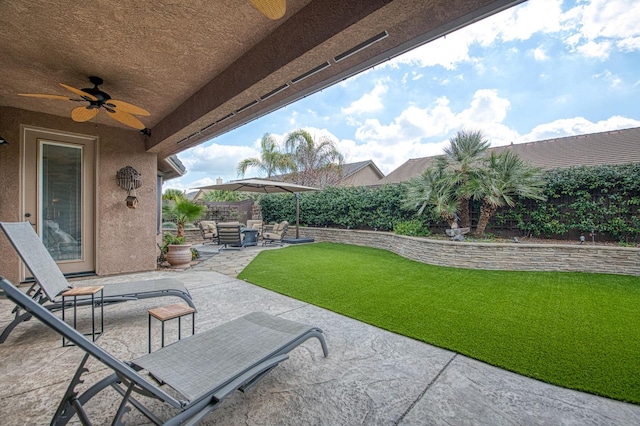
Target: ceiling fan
{"type": "Point", "coordinates": [118, 110]}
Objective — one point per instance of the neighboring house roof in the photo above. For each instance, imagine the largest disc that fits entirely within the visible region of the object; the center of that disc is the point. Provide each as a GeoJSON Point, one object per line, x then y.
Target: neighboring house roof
{"type": "Point", "coordinates": [594, 149]}
{"type": "Point", "coordinates": [361, 173]}
{"type": "Point", "coordinates": [352, 168]}
{"type": "Point", "coordinates": [192, 195]}
{"type": "Point", "coordinates": [411, 168]}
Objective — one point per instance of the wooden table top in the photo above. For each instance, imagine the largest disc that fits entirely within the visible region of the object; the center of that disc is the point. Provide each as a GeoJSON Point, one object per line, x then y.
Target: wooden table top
{"type": "Point", "coordinates": [168, 312]}
{"type": "Point", "coordinates": [83, 291]}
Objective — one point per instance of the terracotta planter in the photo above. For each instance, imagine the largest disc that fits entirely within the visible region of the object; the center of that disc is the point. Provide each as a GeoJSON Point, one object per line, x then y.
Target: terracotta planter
{"type": "Point", "coordinates": [179, 255]}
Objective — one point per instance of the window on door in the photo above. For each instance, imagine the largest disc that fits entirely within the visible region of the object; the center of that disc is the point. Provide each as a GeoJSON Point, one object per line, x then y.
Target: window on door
{"type": "Point", "coordinates": [61, 199]}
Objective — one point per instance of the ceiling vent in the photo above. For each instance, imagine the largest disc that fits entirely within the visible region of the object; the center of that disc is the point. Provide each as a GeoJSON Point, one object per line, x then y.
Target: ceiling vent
{"type": "Point", "coordinates": [226, 117]}
{"type": "Point", "coordinates": [361, 46]}
{"type": "Point", "coordinates": [246, 107]}
{"type": "Point", "coordinates": [311, 72]}
{"type": "Point", "coordinates": [274, 92]}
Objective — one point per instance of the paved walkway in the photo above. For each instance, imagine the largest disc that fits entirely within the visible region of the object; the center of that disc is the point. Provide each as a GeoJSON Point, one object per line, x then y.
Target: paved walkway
{"type": "Point", "coordinates": [229, 262]}
{"type": "Point", "coordinates": [371, 377]}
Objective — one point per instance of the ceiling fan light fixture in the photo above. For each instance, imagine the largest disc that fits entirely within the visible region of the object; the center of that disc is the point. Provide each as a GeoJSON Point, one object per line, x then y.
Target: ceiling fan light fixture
{"type": "Point", "coordinates": [272, 9]}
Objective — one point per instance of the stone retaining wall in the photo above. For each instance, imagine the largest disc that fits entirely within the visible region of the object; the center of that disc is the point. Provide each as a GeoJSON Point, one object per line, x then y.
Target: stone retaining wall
{"type": "Point", "coordinates": [193, 235]}
{"type": "Point", "coordinates": [512, 257]}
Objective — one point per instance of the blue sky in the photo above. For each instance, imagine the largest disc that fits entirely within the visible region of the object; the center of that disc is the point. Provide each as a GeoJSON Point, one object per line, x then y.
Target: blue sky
{"type": "Point", "coordinates": [540, 70]}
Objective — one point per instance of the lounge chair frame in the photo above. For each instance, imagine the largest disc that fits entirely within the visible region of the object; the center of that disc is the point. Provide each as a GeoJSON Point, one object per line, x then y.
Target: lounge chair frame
{"type": "Point", "coordinates": [171, 366]}
{"type": "Point", "coordinates": [50, 283]}
{"type": "Point", "coordinates": [229, 236]}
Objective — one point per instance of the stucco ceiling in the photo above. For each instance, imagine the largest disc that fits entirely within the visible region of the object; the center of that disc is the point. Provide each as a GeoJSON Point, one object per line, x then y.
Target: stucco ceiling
{"type": "Point", "coordinates": [203, 67]}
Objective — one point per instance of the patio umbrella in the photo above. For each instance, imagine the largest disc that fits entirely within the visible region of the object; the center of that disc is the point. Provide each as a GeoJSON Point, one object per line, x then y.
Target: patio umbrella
{"type": "Point", "coordinates": [265, 186]}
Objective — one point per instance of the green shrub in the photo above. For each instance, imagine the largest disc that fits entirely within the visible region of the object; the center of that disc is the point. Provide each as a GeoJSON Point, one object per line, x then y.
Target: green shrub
{"type": "Point", "coordinates": [169, 225]}
{"type": "Point", "coordinates": [169, 239]}
{"type": "Point", "coordinates": [413, 227]}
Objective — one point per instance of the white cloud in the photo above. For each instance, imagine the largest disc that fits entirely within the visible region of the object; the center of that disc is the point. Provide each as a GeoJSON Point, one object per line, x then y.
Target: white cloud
{"type": "Point", "coordinates": [539, 54]}
{"type": "Point", "coordinates": [414, 124]}
{"type": "Point", "coordinates": [629, 44]}
{"type": "Point", "coordinates": [614, 80]}
{"type": "Point", "coordinates": [615, 19]}
{"type": "Point", "coordinates": [421, 132]}
{"type": "Point", "coordinates": [217, 160]}
{"type": "Point", "coordinates": [521, 22]}
{"type": "Point", "coordinates": [577, 126]}
{"type": "Point", "coordinates": [446, 52]}
{"type": "Point", "coordinates": [293, 118]}
{"type": "Point", "coordinates": [486, 107]}
{"type": "Point", "coordinates": [352, 121]}
{"type": "Point", "coordinates": [602, 25]}
{"type": "Point", "coordinates": [597, 50]}
{"type": "Point", "coordinates": [369, 102]}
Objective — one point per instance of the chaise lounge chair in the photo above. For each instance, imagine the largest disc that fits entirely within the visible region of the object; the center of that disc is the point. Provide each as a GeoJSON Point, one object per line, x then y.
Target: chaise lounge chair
{"type": "Point", "coordinates": [51, 283]}
{"type": "Point", "coordinates": [203, 369]}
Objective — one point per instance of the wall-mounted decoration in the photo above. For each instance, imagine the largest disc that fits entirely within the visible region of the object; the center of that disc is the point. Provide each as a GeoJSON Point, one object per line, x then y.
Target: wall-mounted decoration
{"type": "Point", "coordinates": [129, 179]}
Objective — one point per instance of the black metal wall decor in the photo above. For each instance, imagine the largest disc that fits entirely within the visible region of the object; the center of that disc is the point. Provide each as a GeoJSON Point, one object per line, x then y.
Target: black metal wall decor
{"type": "Point", "coordinates": [129, 179]}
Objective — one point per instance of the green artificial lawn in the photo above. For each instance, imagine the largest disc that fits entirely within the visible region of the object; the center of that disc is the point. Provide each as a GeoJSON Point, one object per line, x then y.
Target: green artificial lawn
{"type": "Point", "coordinates": [577, 330]}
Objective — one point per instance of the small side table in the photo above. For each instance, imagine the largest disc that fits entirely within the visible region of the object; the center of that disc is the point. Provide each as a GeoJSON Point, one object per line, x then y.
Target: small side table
{"type": "Point", "coordinates": [85, 291]}
{"type": "Point", "coordinates": [168, 312]}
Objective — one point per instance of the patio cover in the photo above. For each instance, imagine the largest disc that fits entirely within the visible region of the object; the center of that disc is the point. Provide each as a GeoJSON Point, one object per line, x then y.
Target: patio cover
{"type": "Point", "coordinates": [265, 186]}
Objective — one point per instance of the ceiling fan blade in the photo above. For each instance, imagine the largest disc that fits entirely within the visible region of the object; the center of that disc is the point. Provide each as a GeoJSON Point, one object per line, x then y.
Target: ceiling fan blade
{"type": "Point", "coordinates": [126, 118]}
{"type": "Point", "coordinates": [272, 9]}
{"type": "Point", "coordinates": [82, 114]}
{"type": "Point", "coordinates": [127, 107]}
{"type": "Point", "coordinates": [80, 93]}
{"type": "Point", "coordinates": [41, 95]}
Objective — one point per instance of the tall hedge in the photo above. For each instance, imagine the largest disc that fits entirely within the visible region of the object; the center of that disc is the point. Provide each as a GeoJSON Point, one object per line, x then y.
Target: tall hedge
{"type": "Point", "coordinates": [353, 207]}
{"type": "Point", "coordinates": [604, 200]}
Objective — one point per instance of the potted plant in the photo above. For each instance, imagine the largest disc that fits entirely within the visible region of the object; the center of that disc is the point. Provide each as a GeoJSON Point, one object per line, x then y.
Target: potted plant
{"type": "Point", "coordinates": [183, 211]}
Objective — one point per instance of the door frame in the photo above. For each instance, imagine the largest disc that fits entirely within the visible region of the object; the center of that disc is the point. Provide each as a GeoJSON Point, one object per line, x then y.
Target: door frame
{"type": "Point", "coordinates": [46, 133]}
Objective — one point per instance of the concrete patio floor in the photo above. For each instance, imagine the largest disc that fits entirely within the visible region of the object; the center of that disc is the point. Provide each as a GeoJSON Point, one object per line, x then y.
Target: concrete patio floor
{"type": "Point", "coordinates": [371, 376]}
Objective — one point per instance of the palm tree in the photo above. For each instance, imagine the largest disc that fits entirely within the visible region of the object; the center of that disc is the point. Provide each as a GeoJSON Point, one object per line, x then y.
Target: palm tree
{"type": "Point", "coordinates": [221, 196]}
{"type": "Point", "coordinates": [271, 160]}
{"type": "Point", "coordinates": [314, 163]}
{"type": "Point", "coordinates": [172, 194]}
{"type": "Point", "coordinates": [463, 157]}
{"type": "Point", "coordinates": [507, 176]}
{"type": "Point", "coordinates": [433, 189]}
{"type": "Point", "coordinates": [184, 211]}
